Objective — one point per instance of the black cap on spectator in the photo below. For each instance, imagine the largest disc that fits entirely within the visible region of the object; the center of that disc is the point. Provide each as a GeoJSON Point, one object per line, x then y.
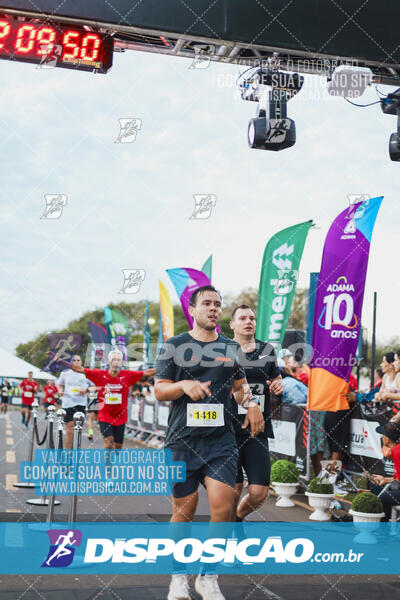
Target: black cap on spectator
{"type": "Point", "coordinates": [391, 430]}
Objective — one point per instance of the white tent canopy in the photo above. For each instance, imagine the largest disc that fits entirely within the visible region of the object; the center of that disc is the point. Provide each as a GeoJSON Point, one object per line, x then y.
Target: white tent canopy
{"type": "Point", "coordinates": [12, 366]}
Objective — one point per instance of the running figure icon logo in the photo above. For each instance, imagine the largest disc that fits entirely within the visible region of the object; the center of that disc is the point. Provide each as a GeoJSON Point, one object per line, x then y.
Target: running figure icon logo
{"type": "Point", "coordinates": [355, 198]}
{"type": "Point", "coordinates": [55, 204]}
{"type": "Point", "coordinates": [50, 55]}
{"type": "Point", "coordinates": [203, 205]}
{"type": "Point", "coordinates": [286, 281]}
{"type": "Point", "coordinates": [132, 280]}
{"type": "Point", "coordinates": [278, 131]}
{"type": "Point", "coordinates": [61, 551]}
{"type": "Point", "coordinates": [202, 56]}
{"type": "Point", "coordinates": [62, 348]}
{"type": "Point", "coordinates": [128, 129]}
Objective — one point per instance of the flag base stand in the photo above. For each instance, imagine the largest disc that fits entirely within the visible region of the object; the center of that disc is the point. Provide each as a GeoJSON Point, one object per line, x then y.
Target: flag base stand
{"type": "Point", "coordinates": [41, 502]}
{"type": "Point", "coordinates": [23, 484]}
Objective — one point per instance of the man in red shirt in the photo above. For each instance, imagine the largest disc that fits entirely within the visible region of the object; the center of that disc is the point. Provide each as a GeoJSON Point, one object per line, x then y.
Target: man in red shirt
{"type": "Point", "coordinates": [113, 389]}
{"type": "Point", "coordinates": [50, 390]}
{"type": "Point", "coordinates": [28, 389]}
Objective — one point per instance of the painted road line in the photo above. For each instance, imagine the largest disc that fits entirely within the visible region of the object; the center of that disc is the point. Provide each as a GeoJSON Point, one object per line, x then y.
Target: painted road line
{"type": "Point", "coordinates": [10, 456]}
{"type": "Point", "coordinates": [13, 510]}
{"type": "Point", "coordinates": [10, 480]}
{"type": "Point", "coordinates": [9, 441]}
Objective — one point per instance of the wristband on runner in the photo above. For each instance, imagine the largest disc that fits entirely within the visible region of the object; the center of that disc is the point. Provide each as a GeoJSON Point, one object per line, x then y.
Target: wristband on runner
{"type": "Point", "coordinates": [251, 403]}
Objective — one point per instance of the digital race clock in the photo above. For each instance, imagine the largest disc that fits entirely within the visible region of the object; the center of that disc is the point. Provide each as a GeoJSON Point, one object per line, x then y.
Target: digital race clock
{"type": "Point", "coordinates": [55, 44]}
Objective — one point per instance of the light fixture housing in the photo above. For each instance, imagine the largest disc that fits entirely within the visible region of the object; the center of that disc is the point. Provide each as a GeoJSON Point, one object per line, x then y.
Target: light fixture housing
{"type": "Point", "coordinates": [349, 82]}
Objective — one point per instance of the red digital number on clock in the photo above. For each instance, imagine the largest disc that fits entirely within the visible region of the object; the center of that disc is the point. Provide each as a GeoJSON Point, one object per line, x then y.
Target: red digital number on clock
{"type": "Point", "coordinates": [87, 48]}
{"type": "Point", "coordinates": [31, 40]}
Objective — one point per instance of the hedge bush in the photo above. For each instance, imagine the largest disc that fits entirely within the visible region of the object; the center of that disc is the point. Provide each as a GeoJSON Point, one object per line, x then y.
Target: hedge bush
{"type": "Point", "coordinates": [319, 486]}
{"type": "Point", "coordinates": [284, 471]}
{"type": "Point", "coordinates": [367, 502]}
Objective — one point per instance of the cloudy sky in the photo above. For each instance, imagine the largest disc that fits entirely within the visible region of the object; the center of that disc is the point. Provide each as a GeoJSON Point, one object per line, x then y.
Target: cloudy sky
{"type": "Point", "coordinates": [128, 205]}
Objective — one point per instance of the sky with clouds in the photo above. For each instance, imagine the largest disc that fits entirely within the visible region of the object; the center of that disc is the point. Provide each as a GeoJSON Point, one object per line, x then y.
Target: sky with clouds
{"type": "Point", "coordinates": [128, 205]}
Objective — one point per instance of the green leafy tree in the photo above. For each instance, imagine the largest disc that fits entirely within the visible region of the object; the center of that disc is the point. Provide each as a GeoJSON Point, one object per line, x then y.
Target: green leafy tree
{"type": "Point", "coordinates": [298, 314]}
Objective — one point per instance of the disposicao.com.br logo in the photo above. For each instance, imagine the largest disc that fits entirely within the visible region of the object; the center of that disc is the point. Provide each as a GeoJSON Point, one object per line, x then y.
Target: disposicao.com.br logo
{"type": "Point", "coordinates": [162, 553]}
{"type": "Point", "coordinates": [222, 551]}
{"type": "Point", "coordinates": [190, 550]}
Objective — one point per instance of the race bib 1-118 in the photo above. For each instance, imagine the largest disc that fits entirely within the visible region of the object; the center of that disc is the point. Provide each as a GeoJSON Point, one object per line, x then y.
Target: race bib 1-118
{"type": "Point", "coordinates": [205, 415]}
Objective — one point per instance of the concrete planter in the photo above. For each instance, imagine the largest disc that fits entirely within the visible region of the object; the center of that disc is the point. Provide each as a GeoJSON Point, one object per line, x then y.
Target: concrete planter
{"type": "Point", "coordinates": [366, 523]}
{"type": "Point", "coordinates": [284, 491]}
{"type": "Point", "coordinates": [362, 517]}
{"type": "Point", "coordinates": [320, 503]}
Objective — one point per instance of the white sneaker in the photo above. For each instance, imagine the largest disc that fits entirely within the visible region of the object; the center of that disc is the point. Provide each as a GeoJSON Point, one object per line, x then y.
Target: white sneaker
{"type": "Point", "coordinates": [208, 588]}
{"type": "Point", "coordinates": [179, 588]}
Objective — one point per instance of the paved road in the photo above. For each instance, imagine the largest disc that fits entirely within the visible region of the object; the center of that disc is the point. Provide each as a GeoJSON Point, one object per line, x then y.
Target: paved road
{"type": "Point", "coordinates": [14, 440]}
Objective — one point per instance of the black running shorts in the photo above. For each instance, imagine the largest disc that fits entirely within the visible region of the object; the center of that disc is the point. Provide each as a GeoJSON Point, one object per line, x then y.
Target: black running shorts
{"type": "Point", "coordinates": [254, 459]}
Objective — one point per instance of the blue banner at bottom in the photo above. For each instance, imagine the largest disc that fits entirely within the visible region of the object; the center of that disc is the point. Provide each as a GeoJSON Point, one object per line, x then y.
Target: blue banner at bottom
{"type": "Point", "coordinates": [230, 548]}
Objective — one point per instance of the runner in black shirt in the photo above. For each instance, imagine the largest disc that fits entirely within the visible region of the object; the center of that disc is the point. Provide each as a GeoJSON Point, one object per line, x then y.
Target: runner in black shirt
{"type": "Point", "coordinates": [5, 390]}
{"type": "Point", "coordinates": [198, 371]}
{"type": "Point", "coordinates": [262, 374]}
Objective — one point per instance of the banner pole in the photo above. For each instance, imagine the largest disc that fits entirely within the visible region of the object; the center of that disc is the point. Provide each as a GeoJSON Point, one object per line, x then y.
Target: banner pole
{"type": "Point", "coordinates": [373, 345]}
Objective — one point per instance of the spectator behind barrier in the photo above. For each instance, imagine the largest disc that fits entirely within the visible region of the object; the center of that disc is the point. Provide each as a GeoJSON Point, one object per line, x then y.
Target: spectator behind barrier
{"type": "Point", "coordinates": [297, 371]}
{"type": "Point", "coordinates": [294, 392]}
{"type": "Point", "coordinates": [135, 392]}
{"type": "Point", "coordinates": [304, 373]}
{"type": "Point", "coordinates": [378, 374]}
{"type": "Point", "coordinates": [390, 496]}
{"type": "Point", "coordinates": [283, 355]}
{"type": "Point", "coordinates": [353, 384]}
{"type": "Point", "coordinates": [363, 396]}
{"type": "Point", "coordinates": [148, 394]}
{"type": "Point", "coordinates": [390, 389]}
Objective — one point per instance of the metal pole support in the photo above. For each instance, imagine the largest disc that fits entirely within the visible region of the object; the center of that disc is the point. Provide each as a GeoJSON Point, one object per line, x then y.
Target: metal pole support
{"type": "Point", "coordinates": [308, 453]}
{"type": "Point", "coordinates": [79, 419]}
{"type": "Point", "coordinates": [42, 501]}
{"type": "Point", "coordinates": [28, 484]}
{"type": "Point", "coordinates": [60, 422]}
{"type": "Point", "coordinates": [373, 345]}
